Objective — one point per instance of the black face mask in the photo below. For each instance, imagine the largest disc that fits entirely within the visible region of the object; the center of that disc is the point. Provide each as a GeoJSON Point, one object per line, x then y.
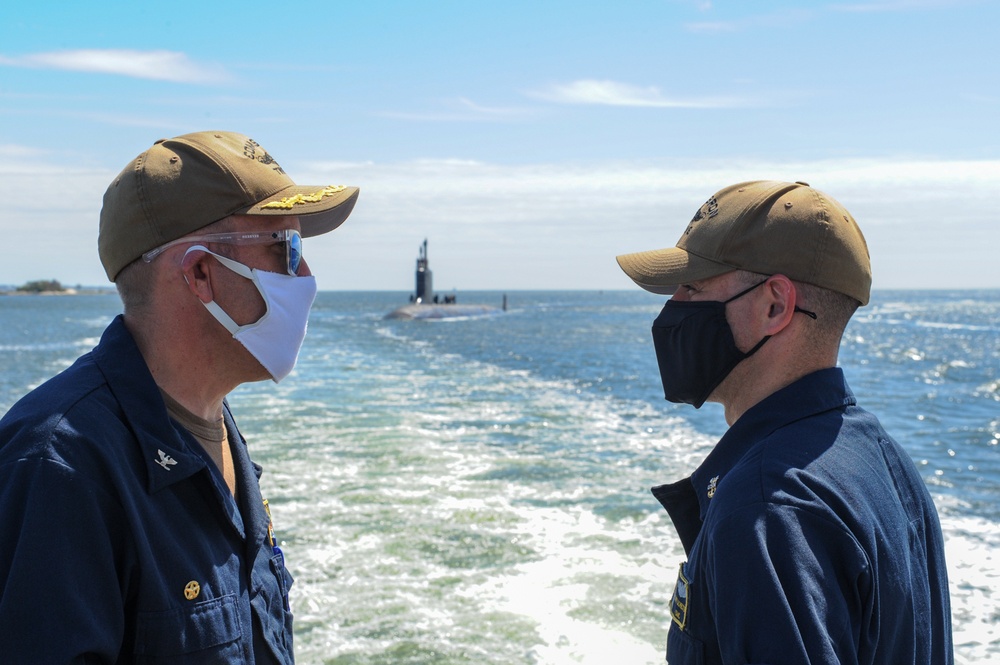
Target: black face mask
{"type": "Point", "coordinates": [695, 348]}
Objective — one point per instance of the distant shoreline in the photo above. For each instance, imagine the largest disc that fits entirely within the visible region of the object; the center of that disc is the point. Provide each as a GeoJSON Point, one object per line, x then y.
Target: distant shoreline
{"type": "Point", "coordinates": [64, 292]}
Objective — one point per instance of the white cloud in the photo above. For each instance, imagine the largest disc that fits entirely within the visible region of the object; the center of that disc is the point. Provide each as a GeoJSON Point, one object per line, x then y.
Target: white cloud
{"type": "Point", "coordinates": [560, 225]}
{"type": "Point", "coordinates": [461, 109]}
{"type": "Point", "coordinates": [488, 110]}
{"type": "Point", "coordinates": [929, 223]}
{"type": "Point", "coordinates": [154, 65]}
{"type": "Point", "coordinates": [785, 18]}
{"type": "Point", "coordinates": [613, 93]}
{"type": "Point", "coordinates": [10, 150]}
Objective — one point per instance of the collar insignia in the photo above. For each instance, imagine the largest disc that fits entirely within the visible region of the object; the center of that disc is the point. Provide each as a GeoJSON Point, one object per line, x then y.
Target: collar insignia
{"type": "Point", "coordinates": [166, 461]}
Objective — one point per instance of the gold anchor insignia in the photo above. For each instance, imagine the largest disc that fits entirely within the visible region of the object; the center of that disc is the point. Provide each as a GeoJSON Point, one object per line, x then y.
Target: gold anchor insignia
{"type": "Point", "coordinates": [191, 590]}
{"type": "Point", "coordinates": [712, 485]}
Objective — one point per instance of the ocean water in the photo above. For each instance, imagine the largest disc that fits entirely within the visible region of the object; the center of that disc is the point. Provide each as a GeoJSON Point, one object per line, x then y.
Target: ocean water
{"type": "Point", "coordinates": [477, 490]}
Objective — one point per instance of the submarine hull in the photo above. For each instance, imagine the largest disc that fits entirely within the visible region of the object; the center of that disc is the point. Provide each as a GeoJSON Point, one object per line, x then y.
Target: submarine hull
{"type": "Point", "coordinates": [440, 311]}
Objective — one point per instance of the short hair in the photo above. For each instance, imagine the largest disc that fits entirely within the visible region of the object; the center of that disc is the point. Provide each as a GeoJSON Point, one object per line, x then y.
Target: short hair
{"type": "Point", "coordinates": [135, 282]}
{"type": "Point", "coordinates": [134, 285]}
{"type": "Point", "coordinates": [833, 310]}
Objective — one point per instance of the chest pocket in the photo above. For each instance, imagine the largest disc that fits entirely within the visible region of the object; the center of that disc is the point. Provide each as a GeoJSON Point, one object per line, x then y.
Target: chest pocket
{"type": "Point", "coordinates": [208, 631]}
{"type": "Point", "coordinates": [270, 605]}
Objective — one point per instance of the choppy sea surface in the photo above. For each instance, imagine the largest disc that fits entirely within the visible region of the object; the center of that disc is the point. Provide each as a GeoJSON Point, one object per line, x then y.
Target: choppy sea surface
{"type": "Point", "coordinates": [477, 490]}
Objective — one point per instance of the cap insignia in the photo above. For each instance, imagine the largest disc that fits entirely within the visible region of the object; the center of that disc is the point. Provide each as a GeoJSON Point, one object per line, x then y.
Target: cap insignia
{"type": "Point", "coordinates": [289, 202]}
{"type": "Point", "coordinates": [252, 150]}
{"type": "Point", "coordinates": [707, 211]}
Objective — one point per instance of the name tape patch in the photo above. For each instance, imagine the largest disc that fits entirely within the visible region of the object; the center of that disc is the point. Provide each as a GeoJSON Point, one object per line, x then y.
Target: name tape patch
{"type": "Point", "coordinates": [679, 602]}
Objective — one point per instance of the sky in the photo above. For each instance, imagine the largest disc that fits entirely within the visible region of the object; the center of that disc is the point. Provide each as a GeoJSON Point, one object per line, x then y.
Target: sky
{"type": "Point", "coordinates": [528, 142]}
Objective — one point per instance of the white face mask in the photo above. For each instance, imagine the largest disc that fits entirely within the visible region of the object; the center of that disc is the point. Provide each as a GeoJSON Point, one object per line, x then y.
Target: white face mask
{"type": "Point", "coordinates": [275, 338]}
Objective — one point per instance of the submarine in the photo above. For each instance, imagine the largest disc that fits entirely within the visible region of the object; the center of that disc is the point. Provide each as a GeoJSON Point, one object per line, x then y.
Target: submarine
{"type": "Point", "coordinates": [425, 304]}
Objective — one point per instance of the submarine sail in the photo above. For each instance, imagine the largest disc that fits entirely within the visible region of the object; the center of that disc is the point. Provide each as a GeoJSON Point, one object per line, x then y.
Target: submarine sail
{"type": "Point", "coordinates": [425, 279]}
{"type": "Point", "coordinates": [424, 304]}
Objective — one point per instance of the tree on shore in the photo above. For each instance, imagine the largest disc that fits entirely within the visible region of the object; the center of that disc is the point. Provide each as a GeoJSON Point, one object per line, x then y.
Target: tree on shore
{"type": "Point", "coordinates": [40, 285]}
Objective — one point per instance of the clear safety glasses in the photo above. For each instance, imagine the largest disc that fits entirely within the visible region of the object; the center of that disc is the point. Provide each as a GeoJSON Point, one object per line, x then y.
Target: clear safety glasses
{"type": "Point", "coordinates": [290, 237]}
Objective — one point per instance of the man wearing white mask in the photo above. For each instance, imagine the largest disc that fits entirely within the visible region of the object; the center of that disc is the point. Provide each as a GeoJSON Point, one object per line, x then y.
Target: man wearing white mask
{"type": "Point", "coordinates": [134, 527]}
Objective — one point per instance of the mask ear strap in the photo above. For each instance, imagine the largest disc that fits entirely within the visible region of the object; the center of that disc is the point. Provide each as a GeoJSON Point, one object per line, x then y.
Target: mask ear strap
{"type": "Point", "coordinates": [212, 306]}
{"type": "Point", "coordinates": [767, 337]}
{"type": "Point", "coordinates": [744, 292]}
{"type": "Point", "coordinates": [756, 348]}
{"type": "Point", "coordinates": [221, 316]}
{"type": "Point", "coordinates": [811, 315]}
{"type": "Point", "coordinates": [235, 266]}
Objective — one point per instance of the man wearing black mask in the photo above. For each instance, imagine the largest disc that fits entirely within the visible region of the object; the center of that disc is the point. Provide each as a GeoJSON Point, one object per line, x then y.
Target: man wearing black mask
{"type": "Point", "coordinates": [810, 536]}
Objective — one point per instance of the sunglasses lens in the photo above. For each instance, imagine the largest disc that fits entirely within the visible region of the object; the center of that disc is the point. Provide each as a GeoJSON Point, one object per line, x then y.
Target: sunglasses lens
{"type": "Point", "coordinates": [294, 253]}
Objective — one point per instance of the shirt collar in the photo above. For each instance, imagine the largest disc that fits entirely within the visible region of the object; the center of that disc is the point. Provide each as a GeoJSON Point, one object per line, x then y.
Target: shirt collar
{"type": "Point", "coordinates": [814, 393]}
{"type": "Point", "coordinates": [167, 455]}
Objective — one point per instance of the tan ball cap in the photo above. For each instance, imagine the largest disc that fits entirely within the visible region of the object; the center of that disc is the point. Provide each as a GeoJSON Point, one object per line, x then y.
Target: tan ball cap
{"type": "Point", "coordinates": [183, 184]}
{"type": "Point", "coordinates": [766, 227]}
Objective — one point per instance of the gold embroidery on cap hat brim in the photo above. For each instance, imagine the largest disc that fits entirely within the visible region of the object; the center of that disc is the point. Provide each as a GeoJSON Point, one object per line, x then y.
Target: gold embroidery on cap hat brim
{"type": "Point", "coordinates": [289, 202]}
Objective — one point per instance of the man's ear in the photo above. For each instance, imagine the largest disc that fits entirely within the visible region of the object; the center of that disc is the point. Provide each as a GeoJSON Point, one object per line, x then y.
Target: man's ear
{"type": "Point", "coordinates": [780, 295]}
{"type": "Point", "coordinates": [197, 270]}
